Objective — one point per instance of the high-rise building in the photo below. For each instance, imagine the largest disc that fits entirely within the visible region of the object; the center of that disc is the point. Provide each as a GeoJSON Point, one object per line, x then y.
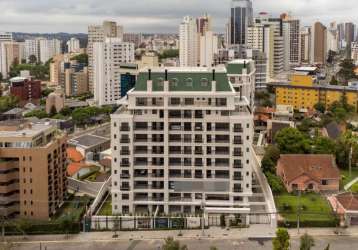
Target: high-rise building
{"type": "Point", "coordinates": [341, 35]}
{"type": "Point", "coordinates": [73, 45]}
{"type": "Point", "coordinates": [305, 36]}
{"type": "Point", "coordinates": [10, 53]}
{"type": "Point", "coordinates": [75, 80]}
{"type": "Point", "coordinates": [277, 55]}
{"type": "Point", "coordinates": [318, 43]}
{"type": "Point", "coordinates": [33, 164]}
{"type": "Point", "coordinates": [332, 38]}
{"type": "Point", "coordinates": [181, 144]}
{"type": "Point", "coordinates": [98, 33]}
{"type": "Point", "coordinates": [291, 30]}
{"type": "Point", "coordinates": [354, 52]}
{"type": "Point", "coordinates": [208, 48]}
{"type": "Point", "coordinates": [241, 17]}
{"type": "Point", "coordinates": [5, 36]}
{"type": "Point", "coordinates": [32, 48]}
{"type": "Point", "coordinates": [48, 49]}
{"type": "Point", "coordinates": [261, 65]}
{"type": "Point", "coordinates": [349, 33]}
{"type": "Point", "coordinates": [107, 57]}
{"type": "Point", "coordinates": [135, 38]}
{"type": "Point", "coordinates": [204, 24]}
{"type": "Point", "coordinates": [188, 43]}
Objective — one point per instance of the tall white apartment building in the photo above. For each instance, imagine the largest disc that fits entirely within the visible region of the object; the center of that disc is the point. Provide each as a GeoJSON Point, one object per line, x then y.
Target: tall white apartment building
{"type": "Point", "coordinates": [5, 36]}
{"type": "Point", "coordinates": [48, 49]}
{"type": "Point", "coordinates": [354, 52]}
{"type": "Point", "coordinates": [305, 36]}
{"type": "Point", "coordinates": [208, 48]}
{"type": "Point", "coordinates": [181, 143]}
{"type": "Point", "coordinates": [32, 48]}
{"type": "Point", "coordinates": [188, 43]}
{"type": "Point", "coordinates": [291, 34]}
{"type": "Point", "coordinates": [98, 33]}
{"type": "Point", "coordinates": [73, 45]}
{"type": "Point", "coordinates": [261, 38]}
{"type": "Point", "coordinates": [107, 57]}
{"type": "Point", "coordinates": [332, 38]}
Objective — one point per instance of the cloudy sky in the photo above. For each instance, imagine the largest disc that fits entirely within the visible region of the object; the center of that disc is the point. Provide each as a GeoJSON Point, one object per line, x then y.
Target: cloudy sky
{"type": "Point", "coordinates": [154, 15]}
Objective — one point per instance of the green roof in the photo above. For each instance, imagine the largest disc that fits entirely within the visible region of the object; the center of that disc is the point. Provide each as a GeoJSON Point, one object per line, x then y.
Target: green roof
{"type": "Point", "coordinates": [184, 81]}
{"type": "Point", "coordinates": [236, 68]}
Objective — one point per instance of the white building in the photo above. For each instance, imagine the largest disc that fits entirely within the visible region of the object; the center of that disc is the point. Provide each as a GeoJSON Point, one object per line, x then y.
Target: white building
{"type": "Point", "coordinates": [332, 39]}
{"type": "Point", "coordinates": [181, 142]}
{"type": "Point", "coordinates": [48, 49]}
{"type": "Point", "coordinates": [241, 74]}
{"type": "Point", "coordinates": [73, 45]}
{"type": "Point", "coordinates": [188, 42]}
{"type": "Point", "coordinates": [208, 48]}
{"type": "Point", "coordinates": [107, 57]}
{"type": "Point", "coordinates": [305, 37]}
{"type": "Point", "coordinates": [291, 34]}
{"type": "Point", "coordinates": [32, 48]}
{"type": "Point", "coordinates": [354, 52]}
{"type": "Point", "coordinates": [98, 33]}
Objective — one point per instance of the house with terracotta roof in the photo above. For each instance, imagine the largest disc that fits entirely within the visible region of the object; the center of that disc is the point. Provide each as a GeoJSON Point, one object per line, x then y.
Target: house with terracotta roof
{"type": "Point", "coordinates": [346, 206]}
{"type": "Point", "coordinates": [317, 173]}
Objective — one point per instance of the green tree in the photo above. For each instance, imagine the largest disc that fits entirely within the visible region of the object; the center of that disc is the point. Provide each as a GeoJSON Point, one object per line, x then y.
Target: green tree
{"type": "Point", "coordinates": [53, 111]}
{"type": "Point", "coordinates": [346, 143]}
{"type": "Point", "coordinates": [41, 113]}
{"type": "Point", "coordinates": [306, 242]}
{"type": "Point", "coordinates": [66, 111]}
{"type": "Point", "coordinates": [320, 107]}
{"type": "Point", "coordinates": [275, 183]}
{"type": "Point", "coordinates": [333, 81]}
{"type": "Point", "coordinates": [81, 58]}
{"type": "Point", "coordinates": [282, 240]}
{"type": "Point", "coordinates": [169, 53]}
{"type": "Point", "coordinates": [8, 102]}
{"type": "Point", "coordinates": [171, 244]}
{"type": "Point", "coordinates": [347, 70]}
{"type": "Point", "coordinates": [292, 141]}
{"type": "Point", "coordinates": [323, 145]}
{"type": "Point", "coordinates": [32, 59]}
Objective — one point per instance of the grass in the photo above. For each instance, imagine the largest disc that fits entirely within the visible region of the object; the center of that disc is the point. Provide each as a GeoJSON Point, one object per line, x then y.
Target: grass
{"type": "Point", "coordinates": [354, 188]}
{"type": "Point", "coordinates": [75, 206]}
{"type": "Point", "coordinates": [313, 207]}
{"type": "Point", "coordinates": [345, 176]}
{"type": "Point", "coordinates": [106, 209]}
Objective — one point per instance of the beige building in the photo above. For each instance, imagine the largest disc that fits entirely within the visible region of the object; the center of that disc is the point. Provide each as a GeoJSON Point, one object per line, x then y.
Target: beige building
{"type": "Point", "coordinates": [33, 169]}
{"type": "Point", "coordinates": [318, 43]}
{"type": "Point", "coordinates": [76, 82]}
{"type": "Point", "coordinates": [55, 99]}
{"type": "Point", "coordinates": [149, 60]}
{"type": "Point", "coordinates": [10, 52]}
{"type": "Point", "coordinates": [55, 69]}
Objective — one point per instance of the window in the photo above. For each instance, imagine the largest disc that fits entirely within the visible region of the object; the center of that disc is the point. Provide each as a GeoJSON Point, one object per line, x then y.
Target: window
{"type": "Point", "coordinates": [174, 82]}
{"type": "Point", "coordinates": [324, 182]}
{"type": "Point", "coordinates": [189, 82]}
{"type": "Point", "coordinates": [204, 82]}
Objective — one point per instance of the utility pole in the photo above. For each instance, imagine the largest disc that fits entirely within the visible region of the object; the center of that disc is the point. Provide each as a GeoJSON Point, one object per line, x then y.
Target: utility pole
{"type": "Point", "coordinates": [298, 211]}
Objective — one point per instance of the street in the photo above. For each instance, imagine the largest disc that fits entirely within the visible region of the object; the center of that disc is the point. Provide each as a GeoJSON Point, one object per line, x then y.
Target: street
{"type": "Point", "coordinates": [336, 242]}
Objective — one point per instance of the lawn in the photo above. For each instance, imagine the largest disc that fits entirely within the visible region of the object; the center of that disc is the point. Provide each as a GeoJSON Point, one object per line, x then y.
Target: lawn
{"type": "Point", "coordinates": [345, 176]}
{"type": "Point", "coordinates": [75, 206]}
{"type": "Point", "coordinates": [106, 208]}
{"type": "Point", "coordinates": [315, 209]}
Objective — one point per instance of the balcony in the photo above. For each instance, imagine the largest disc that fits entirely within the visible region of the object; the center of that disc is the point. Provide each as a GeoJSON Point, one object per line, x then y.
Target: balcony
{"type": "Point", "coordinates": [198, 175]}
{"type": "Point", "coordinates": [237, 153]}
{"type": "Point", "coordinates": [124, 128]}
{"type": "Point", "coordinates": [237, 190]}
{"type": "Point", "coordinates": [237, 178]}
{"type": "Point", "coordinates": [124, 140]}
{"type": "Point", "coordinates": [141, 151]}
{"type": "Point", "coordinates": [141, 186]}
{"type": "Point", "coordinates": [238, 165]}
{"type": "Point", "coordinates": [125, 188]}
{"type": "Point", "coordinates": [238, 130]}
{"type": "Point", "coordinates": [176, 152]}
{"type": "Point", "coordinates": [140, 163]}
{"type": "Point", "coordinates": [198, 152]}
{"type": "Point", "coordinates": [198, 140]}
{"type": "Point", "coordinates": [124, 164]}
{"type": "Point", "coordinates": [222, 152]}
{"type": "Point", "coordinates": [125, 176]}
{"type": "Point", "coordinates": [125, 152]}
{"type": "Point", "coordinates": [238, 141]}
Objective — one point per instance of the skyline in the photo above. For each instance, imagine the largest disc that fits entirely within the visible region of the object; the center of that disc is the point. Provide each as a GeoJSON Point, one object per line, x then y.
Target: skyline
{"type": "Point", "coordinates": [158, 17]}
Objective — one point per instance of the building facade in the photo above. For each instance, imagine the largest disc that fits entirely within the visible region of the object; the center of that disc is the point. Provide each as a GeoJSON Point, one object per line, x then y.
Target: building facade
{"type": "Point", "coordinates": [107, 58]}
{"type": "Point", "coordinates": [98, 33]}
{"type": "Point", "coordinates": [48, 49]}
{"type": "Point", "coordinates": [73, 45]}
{"type": "Point", "coordinates": [33, 169]}
{"type": "Point", "coordinates": [188, 43]}
{"type": "Point", "coordinates": [241, 17]}
{"type": "Point", "coordinates": [181, 143]}
{"type": "Point", "coordinates": [318, 43]}
{"type": "Point", "coordinates": [26, 90]}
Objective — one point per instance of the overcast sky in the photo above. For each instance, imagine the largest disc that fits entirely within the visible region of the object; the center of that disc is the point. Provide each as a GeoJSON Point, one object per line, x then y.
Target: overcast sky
{"type": "Point", "coordinates": [154, 15]}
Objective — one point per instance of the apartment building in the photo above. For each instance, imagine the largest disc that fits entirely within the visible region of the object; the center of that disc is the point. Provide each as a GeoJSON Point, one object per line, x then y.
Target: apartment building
{"type": "Point", "coordinates": [10, 53]}
{"type": "Point", "coordinates": [73, 45]}
{"type": "Point", "coordinates": [180, 143]}
{"type": "Point", "coordinates": [48, 49]}
{"type": "Point", "coordinates": [188, 43]}
{"type": "Point", "coordinates": [303, 93]}
{"type": "Point", "coordinates": [318, 43]}
{"type": "Point", "coordinates": [26, 90]}
{"type": "Point", "coordinates": [32, 169]}
{"type": "Point", "coordinates": [107, 59]}
{"type": "Point", "coordinates": [98, 33]}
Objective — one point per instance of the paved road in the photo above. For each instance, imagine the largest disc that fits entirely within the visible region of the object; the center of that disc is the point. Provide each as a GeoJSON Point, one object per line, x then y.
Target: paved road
{"type": "Point", "coordinates": [339, 243]}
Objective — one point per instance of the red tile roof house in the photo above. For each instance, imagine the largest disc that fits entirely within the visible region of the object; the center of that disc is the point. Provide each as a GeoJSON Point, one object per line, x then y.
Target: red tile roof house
{"type": "Point", "coordinates": [317, 173]}
{"type": "Point", "coordinates": [346, 206]}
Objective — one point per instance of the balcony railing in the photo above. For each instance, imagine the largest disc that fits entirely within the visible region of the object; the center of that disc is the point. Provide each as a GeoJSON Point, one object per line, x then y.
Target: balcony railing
{"type": "Point", "coordinates": [238, 130]}
{"type": "Point", "coordinates": [124, 152]}
{"type": "Point", "coordinates": [237, 178]}
{"type": "Point", "coordinates": [237, 153]}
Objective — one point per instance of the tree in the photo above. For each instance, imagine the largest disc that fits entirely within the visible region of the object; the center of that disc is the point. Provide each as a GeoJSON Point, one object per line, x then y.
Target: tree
{"type": "Point", "coordinates": [320, 107]}
{"type": "Point", "coordinates": [282, 240]}
{"type": "Point", "coordinates": [275, 183]}
{"type": "Point", "coordinates": [32, 59]}
{"type": "Point", "coordinates": [323, 145]}
{"type": "Point", "coordinates": [292, 141]}
{"type": "Point", "coordinates": [306, 242]}
{"type": "Point", "coordinates": [169, 53]}
{"type": "Point", "coordinates": [327, 247]}
{"type": "Point", "coordinates": [66, 111]}
{"type": "Point", "coordinates": [346, 143]}
{"type": "Point", "coordinates": [1, 77]}
{"type": "Point", "coordinates": [333, 81]}
{"type": "Point", "coordinates": [347, 70]}
{"type": "Point", "coordinates": [171, 244]}
{"type": "Point", "coordinates": [37, 113]}
{"type": "Point", "coordinates": [8, 102]}
{"type": "Point", "coordinates": [81, 58]}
